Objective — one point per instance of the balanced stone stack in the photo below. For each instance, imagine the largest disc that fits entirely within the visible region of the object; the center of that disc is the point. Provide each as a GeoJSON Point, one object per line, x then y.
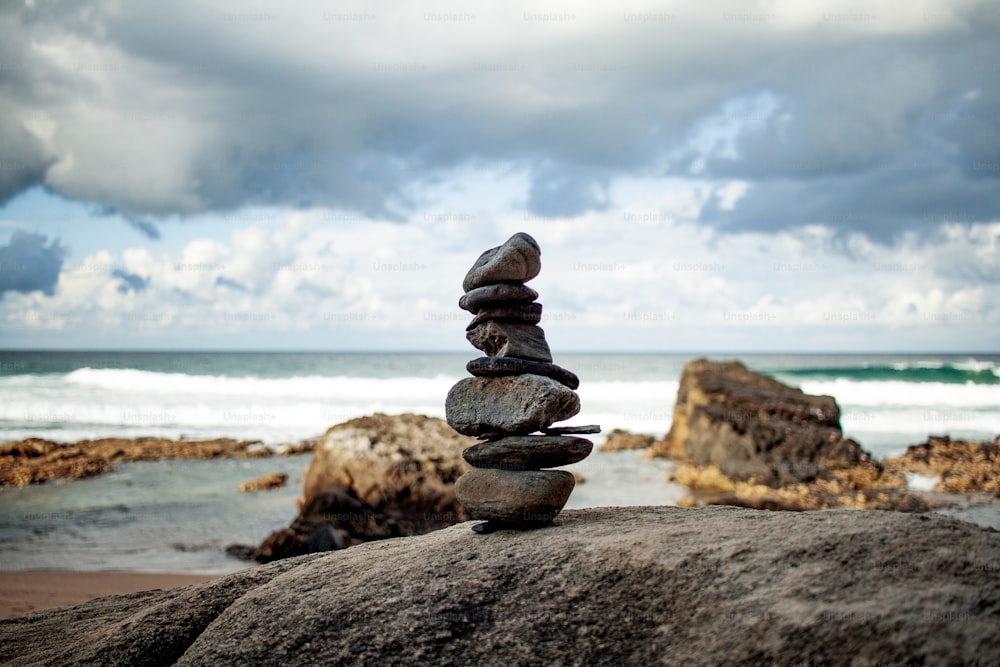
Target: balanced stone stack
{"type": "Point", "coordinates": [515, 393]}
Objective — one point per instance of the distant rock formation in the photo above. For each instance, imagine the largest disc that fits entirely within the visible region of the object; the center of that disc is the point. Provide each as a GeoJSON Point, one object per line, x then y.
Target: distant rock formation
{"type": "Point", "coordinates": [746, 439]}
{"type": "Point", "coordinates": [275, 480]}
{"type": "Point", "coordinates": [371, 478]}
{"type": "Point", "coordinates": [621, 440]}
{"type": "Point", "coordinates": [756, 429]}
{"type": "Point", "coordinates": [35, 460]}
{"type": "Point", "coordinates": [962, 466]}
{"type": "Point", "coordinates": [622, 586]}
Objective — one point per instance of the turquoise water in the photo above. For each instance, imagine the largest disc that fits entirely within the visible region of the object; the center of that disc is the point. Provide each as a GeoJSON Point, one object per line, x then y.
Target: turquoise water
{"type": "Point", "coordinates": [180, 515]}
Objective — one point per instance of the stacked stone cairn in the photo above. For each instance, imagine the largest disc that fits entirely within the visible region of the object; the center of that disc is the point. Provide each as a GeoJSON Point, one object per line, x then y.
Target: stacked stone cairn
{"type": "Point", "coordinates": [515, 393]}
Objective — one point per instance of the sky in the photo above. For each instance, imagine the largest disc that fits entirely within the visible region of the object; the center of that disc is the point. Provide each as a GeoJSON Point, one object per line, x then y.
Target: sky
{"type": "Point", "coordinates": [730, 176]}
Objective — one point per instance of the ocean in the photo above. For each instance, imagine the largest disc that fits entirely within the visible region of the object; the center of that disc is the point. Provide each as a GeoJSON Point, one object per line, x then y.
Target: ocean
{"type": "Point", "coordinates": [178, 516]}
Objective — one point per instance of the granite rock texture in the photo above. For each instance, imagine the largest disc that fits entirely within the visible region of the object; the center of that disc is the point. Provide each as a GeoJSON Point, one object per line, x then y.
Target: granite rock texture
{"type": "Point", "coordinates": [636, 585]}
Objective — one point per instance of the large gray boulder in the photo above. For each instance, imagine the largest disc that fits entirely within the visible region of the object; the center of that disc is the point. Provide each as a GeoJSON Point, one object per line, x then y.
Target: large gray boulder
{"type": "Point", "coordinates": [717, 585]}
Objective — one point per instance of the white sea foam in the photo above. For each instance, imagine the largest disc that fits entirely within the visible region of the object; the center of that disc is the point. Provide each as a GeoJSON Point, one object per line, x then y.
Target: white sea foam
{"type": "Point", "coordinates": [895, 392]}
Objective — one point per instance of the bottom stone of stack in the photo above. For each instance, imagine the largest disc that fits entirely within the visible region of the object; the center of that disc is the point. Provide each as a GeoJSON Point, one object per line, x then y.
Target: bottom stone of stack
{"type": "Point", "coordinates": [515, 498]}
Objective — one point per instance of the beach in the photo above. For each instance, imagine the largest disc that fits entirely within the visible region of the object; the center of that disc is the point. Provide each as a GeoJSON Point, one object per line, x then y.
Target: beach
{"type": "Point", "coordinates": [24, 592]}
{"type": "Point", "coordinates": [67, 540]}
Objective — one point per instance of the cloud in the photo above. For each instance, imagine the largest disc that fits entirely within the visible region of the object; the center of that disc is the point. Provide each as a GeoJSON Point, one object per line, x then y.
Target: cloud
{"type": "Point", "coordinates": [146, 228]}
{"type": "Point", "coordinates": [180, 110]}
{"type": "Point", "coordinates": [609, 280]}
{"type": "Point", "coordinates": [130, 281]}
{"type": "Point", "coordinates": [29, 264]}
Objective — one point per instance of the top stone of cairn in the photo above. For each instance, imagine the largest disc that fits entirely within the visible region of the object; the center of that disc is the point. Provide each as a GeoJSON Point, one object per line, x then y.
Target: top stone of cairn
{"type": "Point", "coordinates": [518, 260]}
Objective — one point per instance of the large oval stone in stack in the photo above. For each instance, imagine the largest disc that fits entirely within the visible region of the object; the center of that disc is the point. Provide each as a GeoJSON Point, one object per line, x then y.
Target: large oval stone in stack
{"type": "Point", "coordinates": [512, 404]}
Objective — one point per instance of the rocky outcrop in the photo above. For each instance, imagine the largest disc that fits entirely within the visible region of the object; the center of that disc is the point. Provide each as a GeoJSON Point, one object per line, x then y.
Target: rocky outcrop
{"type": "Point", "coordinates": [963, 466]}
{"type": "Point", "coordinates": [716, 585]}
{"type": "Point", "coordinates": [371, 478]}
{"type": "Point", "coordinates": [745, 439]}
{"type": "Point", "coordinates": [620, 440]}
{"type": "Point", "coordinates": [756, 429]}
{"type": "Point", "coordinates": [36, 460]}
{"type": "Point", "coordinates": [275, 480]}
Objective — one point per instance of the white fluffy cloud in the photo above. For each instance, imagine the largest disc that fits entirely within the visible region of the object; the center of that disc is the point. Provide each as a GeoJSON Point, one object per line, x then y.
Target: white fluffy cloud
{"type": "Point", "coordinates": [623, 279]}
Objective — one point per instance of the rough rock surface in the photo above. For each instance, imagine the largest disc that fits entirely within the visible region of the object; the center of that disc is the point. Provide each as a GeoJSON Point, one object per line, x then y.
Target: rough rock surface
{"type": "Point", "coordinates": [510, 339]}
{"type": "Point", "coordinates": [963, 466]}
{"type": "Point", "coordinates": [375, 477]}
{"type": "Point", "coordinates": [620, 440]}
{"type": "Point", "coordinates": [275, 480]}
{"type": "Point", "coordinates": [645, 586]}
{"type": "Point", "coordinates": [501, 366]}
{"type": "Point", "coordinates": [36, 460]}
{"type": "Point", "coordinates": [516, 404]}
{"type": "Point", "coordinates": [517, 260]}
{"type": "Point", "coordinates": [528, 452]}
{"type": "Point", "coordinates": [523, 497]}
{"type": "Point", "coordinates": [755, 428]}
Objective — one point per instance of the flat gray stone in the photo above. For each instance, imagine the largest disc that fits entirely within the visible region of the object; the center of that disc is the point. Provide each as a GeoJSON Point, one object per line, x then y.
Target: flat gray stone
{"type": "Point", "coordinates": [528, 452]}
{"type": "Point", "coordinates": [529, 497]}
{"type": "Point", "coordinates": [524, 313]}
{"type": "Point", "coordinates": [501, 366]}
{"type": "Point", "coordinates": [517, 404]}
{"type": "Point", "coordinates": [567, 430]}
{"type": "Point", "coordinates": [517, 260]}
{"type": "Point", "coordinates": [510, 339]}
{"type": "Point", "coordinates": [475, 299]}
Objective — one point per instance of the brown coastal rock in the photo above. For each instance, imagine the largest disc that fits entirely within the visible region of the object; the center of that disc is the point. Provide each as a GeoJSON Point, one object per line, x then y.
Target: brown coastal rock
{"type": "Point", "coordinates": [375, 477]}
{"type": "Point", "coordinates": [963, 466]}
{"type": "Point", "coordinates": [518, 404]}
{"type": "Point", "coordinates": [621, 440]}
{"type": "Point", "coordinates": [275, 480]}
{"type": "Point", "coordinates": [35, 460]}
{"type": "Point", "coordinates": [756, 429]}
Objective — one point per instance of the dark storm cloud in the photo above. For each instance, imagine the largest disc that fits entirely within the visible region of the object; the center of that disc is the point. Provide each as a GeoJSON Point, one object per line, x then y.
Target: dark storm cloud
{"type": "Point", "coordinates": [180, 108]}
{"type": "Point", "coordinates": [29, 263]}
